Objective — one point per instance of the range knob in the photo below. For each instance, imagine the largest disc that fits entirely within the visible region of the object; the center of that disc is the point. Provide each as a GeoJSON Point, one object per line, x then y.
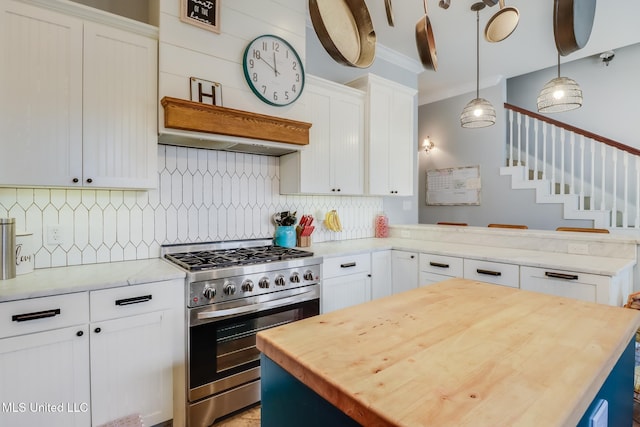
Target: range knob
{"type": "Point", "coordinates": [247, 286]}
{"type": "Point", "coordinates": [280, 281]}
{"type": "Point", "coordinates": [229, 289]}
{"type": "Point", "coordinates": [295, 277]}
{"type": "Point", "coordinates": [308, 275]}
{"type": "Point", "coordinates": [209, 293]}
{"type": "Point", "coordinates": [263, 283]}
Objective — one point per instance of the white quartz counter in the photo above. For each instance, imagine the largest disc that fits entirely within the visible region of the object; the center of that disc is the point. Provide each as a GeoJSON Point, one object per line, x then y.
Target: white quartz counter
{"type": "Point", "coordinates": [63, 280]}
{"type": "Point", "coordinates": [606, 266]}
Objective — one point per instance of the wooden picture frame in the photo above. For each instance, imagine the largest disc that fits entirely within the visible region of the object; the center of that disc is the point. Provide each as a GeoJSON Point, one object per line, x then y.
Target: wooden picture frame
{"type": "Point", "coordinates": [201, 13]}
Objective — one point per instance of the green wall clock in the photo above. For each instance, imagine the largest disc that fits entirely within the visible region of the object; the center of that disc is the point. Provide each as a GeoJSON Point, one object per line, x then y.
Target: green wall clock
{"type": "Point", "coordinates": [273, 70]}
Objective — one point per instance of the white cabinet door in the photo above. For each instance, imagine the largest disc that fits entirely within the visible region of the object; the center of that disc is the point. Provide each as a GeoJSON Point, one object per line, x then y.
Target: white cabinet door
{"type": "Point", "coordinates": [131, 368]}
{"type": "Point", "coordinates": [492, 272]}
{"type": "Point", "coordinates": [79, 102]}
{"type": "Point", "coordinates": [389, 136]}
{"type": "Point", "coordinates": [120, 135]}
{"type": "Point", "coordinates": [381, 280]}
{"type": "Point", "coordinates": [404, 267]}
{"type": "Point", "coordinates": [333, 162]}
{"type": "Point", "coordinates": [571, 284]}
{"type": "Point", "coordinates": [41, 96]}
{"type": "Point", "coordinates": [345, 291]}
{"type": "Point", "coordinates": [44, 379]}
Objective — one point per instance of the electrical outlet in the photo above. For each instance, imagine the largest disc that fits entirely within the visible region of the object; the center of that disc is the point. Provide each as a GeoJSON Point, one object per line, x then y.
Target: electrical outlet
{"type": "Point", "coordinates": [578, 248]}
{"type": "Point", "coordinates": [54, 235]}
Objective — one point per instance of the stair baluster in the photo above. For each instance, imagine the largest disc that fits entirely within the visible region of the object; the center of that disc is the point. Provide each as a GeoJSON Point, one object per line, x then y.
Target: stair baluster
{"type": "Point", "coordinates": [582, 183]}
{"type": "Point", "coordinates": [592, 201]}
{"type": "Point", "coordinates": [603, 155]}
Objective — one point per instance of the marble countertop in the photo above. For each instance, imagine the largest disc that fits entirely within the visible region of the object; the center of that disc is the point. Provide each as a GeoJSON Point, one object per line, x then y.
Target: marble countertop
{"type": "Point", "coordinates": [606, 266]}
{"type": "Point", "coordinates": [64, 280]}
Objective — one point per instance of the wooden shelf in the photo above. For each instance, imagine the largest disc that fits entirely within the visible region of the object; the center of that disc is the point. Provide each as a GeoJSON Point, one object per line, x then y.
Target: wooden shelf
{"type": "Point", "coordinates": [195, 116]}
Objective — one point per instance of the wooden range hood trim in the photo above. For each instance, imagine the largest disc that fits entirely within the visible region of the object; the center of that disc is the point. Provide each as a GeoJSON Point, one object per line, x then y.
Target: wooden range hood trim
{"type": "Point", "coordinates": [195, 116]}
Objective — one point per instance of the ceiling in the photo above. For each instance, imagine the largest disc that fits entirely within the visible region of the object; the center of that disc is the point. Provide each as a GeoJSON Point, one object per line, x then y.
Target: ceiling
{"type": "Point", "coordinates": [531, 47]}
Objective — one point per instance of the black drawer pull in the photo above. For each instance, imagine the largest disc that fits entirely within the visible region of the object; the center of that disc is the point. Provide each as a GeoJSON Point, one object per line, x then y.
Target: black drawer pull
{"type": "Point", "coordinates": [561, 276]}
{"type": "Point", "coordinates": [438, 264]}
{"type": "Point", "coordinates": [488, 272]}
{"type": "Point", "coordinates": [347, 265]}
{"type": "Point", "coordinates": [36, 315]}
{"type": "Point", "coordinates": [134, 300]}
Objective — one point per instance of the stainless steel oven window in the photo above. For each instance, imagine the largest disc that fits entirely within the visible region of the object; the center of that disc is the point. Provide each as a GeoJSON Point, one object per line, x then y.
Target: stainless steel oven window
{"type": "Point", "coordinates": [218, 349]}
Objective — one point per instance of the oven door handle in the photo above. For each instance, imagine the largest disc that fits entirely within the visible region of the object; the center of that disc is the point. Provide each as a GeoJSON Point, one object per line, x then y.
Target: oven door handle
{"type": "Point", "coordinates": [212, 314]}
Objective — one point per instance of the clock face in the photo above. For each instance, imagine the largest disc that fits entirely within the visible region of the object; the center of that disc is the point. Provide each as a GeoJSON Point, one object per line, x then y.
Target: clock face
{"type": "Point", "coordinates": [273, 70]}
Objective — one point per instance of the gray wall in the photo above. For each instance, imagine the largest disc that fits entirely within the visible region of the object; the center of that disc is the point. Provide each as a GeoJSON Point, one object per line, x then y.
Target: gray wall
{"type": "Point", "coordinates": [610, 95]}
{"type": "Point", "coordinates": [456, 146]}
{"type": "Point", "coordinates": [400, 210]}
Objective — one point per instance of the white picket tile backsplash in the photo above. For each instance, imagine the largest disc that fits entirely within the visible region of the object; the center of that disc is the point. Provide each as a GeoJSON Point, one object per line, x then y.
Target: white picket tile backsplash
{"type": "Point", "coordinates": [203, 195]}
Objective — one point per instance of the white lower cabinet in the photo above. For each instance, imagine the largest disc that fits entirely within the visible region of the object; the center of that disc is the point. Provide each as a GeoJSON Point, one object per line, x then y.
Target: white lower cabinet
{"type": "Point", "coordinates": [404, 267]}
{"type": "Point", "coordinates": [381, 280]}
{"type": "Point", "coordinates": [44, 362]}
{"type": "Point", "coordinates": [346, 281]}
{"type": "Point", "coordinates": [582, 286]}
{"type": "Point", "coordinates": [132, 352]}
{"type": "Point", "coordinates": [492, 272]}
{"type": "Point", "coordinates": [88, 358]}
{"type": "Point", "coordinates": [436, 268]}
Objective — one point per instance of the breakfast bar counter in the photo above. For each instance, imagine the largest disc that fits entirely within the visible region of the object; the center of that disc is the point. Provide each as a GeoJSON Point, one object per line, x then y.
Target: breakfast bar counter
{"type": "Point", "coordinates": [456, 353]}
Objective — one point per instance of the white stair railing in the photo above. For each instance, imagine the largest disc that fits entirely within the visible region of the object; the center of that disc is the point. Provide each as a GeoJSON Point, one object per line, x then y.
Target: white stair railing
{"type": "Point", "coordinates": [600, 178]}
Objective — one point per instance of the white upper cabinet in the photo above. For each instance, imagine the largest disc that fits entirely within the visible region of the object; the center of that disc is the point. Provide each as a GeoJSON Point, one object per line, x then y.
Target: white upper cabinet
{"type": "Point", "coordinates": [389, 136]}
{"type": "Point", "coordinates": [78, 101]}
{"type": "Point", "coordinates": [333, 161]}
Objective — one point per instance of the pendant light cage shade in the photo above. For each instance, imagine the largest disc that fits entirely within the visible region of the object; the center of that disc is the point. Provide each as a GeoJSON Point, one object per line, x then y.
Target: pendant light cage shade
{"type": "Point", "coordinates": [478, 113]}
{"type": "Point", "coordinates": [558, 95]}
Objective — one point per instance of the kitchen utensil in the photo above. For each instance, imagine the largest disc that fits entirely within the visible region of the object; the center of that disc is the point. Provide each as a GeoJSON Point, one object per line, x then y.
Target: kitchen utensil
{"type": "Point", "coordinates": [502, 23]}
{"type": "Point", "coordinates": [345, 30]}
{"type": "Point", "coordinates": [426, 42]}
{"type": "Point", "coordinates": [389, 9]}
{"type": "Point", "coordinates": [7, 248]}
{"type": "Point", "coordinates": [572, 24]}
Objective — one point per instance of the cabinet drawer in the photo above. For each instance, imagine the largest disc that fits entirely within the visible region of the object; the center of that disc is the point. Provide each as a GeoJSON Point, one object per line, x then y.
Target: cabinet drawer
{"type": "Point", "coordinates": [350, 264]}
{"type": "Point", "coordinates": [570, 284]}
{"type": "Point", "coordinates": [132, 300]}
{"type": "Point", "coordinates": [43, 314]}
{"type": "Point", "coordinates": [492, 272]}
{"type": "Point", "coordinates": [439, 264]}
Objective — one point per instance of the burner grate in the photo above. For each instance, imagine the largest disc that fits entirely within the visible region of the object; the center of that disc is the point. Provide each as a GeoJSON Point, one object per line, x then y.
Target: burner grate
{"type": "Point", "coordinates": [221, 258]}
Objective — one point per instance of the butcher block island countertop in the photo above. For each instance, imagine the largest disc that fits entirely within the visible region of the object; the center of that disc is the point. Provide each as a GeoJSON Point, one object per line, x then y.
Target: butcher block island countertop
{"type": "Point", "coordinates": [458, 353]}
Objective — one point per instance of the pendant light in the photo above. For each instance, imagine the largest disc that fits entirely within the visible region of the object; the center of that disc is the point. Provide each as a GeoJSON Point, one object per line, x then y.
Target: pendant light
{"type": "Point", "coordinates": [560, 94]}
{"type": "Point", "coordinates": [479, 112]}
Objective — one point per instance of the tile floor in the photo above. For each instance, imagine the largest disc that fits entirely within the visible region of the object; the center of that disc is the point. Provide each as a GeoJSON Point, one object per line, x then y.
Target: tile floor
{"type": "Point", "coordinates": [248, 418]}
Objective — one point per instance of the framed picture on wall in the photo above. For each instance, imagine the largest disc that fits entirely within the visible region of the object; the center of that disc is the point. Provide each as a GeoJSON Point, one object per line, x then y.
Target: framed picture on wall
{"type": "Point", "coordinates": [201, 13]}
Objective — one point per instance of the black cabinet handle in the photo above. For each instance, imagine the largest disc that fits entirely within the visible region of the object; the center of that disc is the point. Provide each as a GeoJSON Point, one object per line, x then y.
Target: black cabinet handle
{"type": "Point", "coordinates": [89, 180]}
{"type": "Point", "coordinates": [412, 256]}
{"type": "Point", "coordinates": [438, 264]}
{"type": "Point", "coordinates": [134, 300]}
{"type": "Point", "coordinates": [35, 315]}
{"type": "Point", "coordinates": [75, 180]}
{"type": "Point", "coordinates": [79, 333]}
{"type": "Point", "coordinates": [348, 264]}
{"type": "Point", "coordinates": [561, 276]}
{"type": "Point", "coordinates": [488, 272]}
{"type": "Point", "coordinates": [97, 330]}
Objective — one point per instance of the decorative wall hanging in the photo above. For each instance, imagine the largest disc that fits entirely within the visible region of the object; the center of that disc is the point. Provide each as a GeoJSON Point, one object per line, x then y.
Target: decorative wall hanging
{"type": "Point", "coordinates": [201, 13]}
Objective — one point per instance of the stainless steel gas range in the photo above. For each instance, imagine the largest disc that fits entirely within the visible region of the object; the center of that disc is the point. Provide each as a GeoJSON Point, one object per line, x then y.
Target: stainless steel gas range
{"type": "Point", "coordinates": [235, 289]}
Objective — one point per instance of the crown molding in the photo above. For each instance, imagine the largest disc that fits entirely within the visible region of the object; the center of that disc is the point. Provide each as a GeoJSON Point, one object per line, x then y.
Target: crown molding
{"type": "Point", "coordinates": [396, 58]}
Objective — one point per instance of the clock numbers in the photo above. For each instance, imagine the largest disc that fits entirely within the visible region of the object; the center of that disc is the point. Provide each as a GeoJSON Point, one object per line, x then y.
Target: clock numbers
{"type": "Point", "coordinates": [273, 70]}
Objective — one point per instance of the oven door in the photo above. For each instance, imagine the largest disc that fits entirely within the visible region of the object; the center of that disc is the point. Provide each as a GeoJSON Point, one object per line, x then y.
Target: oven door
{"type": "Point", "coordinates": [222, 338]}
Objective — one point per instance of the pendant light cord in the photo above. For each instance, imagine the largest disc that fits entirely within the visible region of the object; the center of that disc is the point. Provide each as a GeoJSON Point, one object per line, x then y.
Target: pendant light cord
{"type": "Point", "coordinates": [478, 54]}
{"type": "Point", "coordinates": [558, 64]}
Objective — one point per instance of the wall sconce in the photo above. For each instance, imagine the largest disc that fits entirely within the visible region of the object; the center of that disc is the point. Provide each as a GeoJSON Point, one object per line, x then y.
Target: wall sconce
{"type": "Point", "coordinates": [427, 145]}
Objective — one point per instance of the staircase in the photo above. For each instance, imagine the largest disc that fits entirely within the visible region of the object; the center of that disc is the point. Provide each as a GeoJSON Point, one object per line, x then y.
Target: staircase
{"type": "Point", "coordinates": [595, 178]}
